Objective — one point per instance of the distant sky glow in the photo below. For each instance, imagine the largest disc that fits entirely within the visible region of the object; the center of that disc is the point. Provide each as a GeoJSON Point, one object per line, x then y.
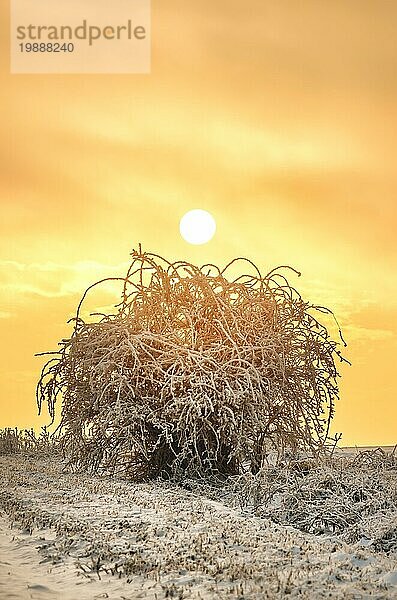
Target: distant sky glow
{"type": "Point", "coordinates": [278, 118]}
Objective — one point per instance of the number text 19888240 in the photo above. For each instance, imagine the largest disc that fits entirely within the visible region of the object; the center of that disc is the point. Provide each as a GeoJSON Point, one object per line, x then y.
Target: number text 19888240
{"type": "Point", "coordinates": [46, 47]}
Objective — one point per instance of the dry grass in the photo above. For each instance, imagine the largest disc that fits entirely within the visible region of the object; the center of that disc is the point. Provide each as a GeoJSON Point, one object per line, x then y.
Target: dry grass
{"type": "Point", "coordinates": [351, 497]}
{"type": "Point", "coordinates": [194, 373]}
{"type": "Point", "coordinates": [14, 441]}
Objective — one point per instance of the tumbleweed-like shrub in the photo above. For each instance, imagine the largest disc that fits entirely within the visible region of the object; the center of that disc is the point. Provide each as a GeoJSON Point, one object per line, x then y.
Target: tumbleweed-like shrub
{"type": "Point", "coordinates": [194, 372]}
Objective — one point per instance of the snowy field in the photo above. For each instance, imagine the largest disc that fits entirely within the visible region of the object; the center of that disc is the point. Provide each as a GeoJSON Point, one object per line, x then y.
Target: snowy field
{"type": "Point", "coordinates": [65, 535]}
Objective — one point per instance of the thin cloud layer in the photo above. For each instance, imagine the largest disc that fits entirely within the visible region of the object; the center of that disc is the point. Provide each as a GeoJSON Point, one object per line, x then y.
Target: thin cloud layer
{"type": "Point", "coordinates": [52, 280]}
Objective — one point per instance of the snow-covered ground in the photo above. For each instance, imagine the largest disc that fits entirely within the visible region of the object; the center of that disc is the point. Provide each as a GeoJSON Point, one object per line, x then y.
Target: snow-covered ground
{"type": "Point", "coordinates": [71, 536]}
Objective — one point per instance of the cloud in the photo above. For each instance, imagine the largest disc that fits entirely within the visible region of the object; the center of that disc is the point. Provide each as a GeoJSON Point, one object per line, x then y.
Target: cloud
{"type": "Point", "coordinates": [356, 333]}
{"type": "Point", "coordinates": [53, 280]}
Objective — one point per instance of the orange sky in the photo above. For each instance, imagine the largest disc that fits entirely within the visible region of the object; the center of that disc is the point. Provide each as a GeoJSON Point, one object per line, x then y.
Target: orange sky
{"type": "Point", "coordinates": [279, 117]}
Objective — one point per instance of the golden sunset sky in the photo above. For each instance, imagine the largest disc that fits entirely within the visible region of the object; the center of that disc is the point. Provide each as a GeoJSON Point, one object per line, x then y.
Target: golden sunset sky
{"type": "Point", "coordinates": [278, 117]}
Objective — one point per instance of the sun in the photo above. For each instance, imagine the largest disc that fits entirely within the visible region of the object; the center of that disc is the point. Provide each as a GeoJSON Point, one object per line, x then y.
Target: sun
{"type": "Point", "coordinates": [197, 226]}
